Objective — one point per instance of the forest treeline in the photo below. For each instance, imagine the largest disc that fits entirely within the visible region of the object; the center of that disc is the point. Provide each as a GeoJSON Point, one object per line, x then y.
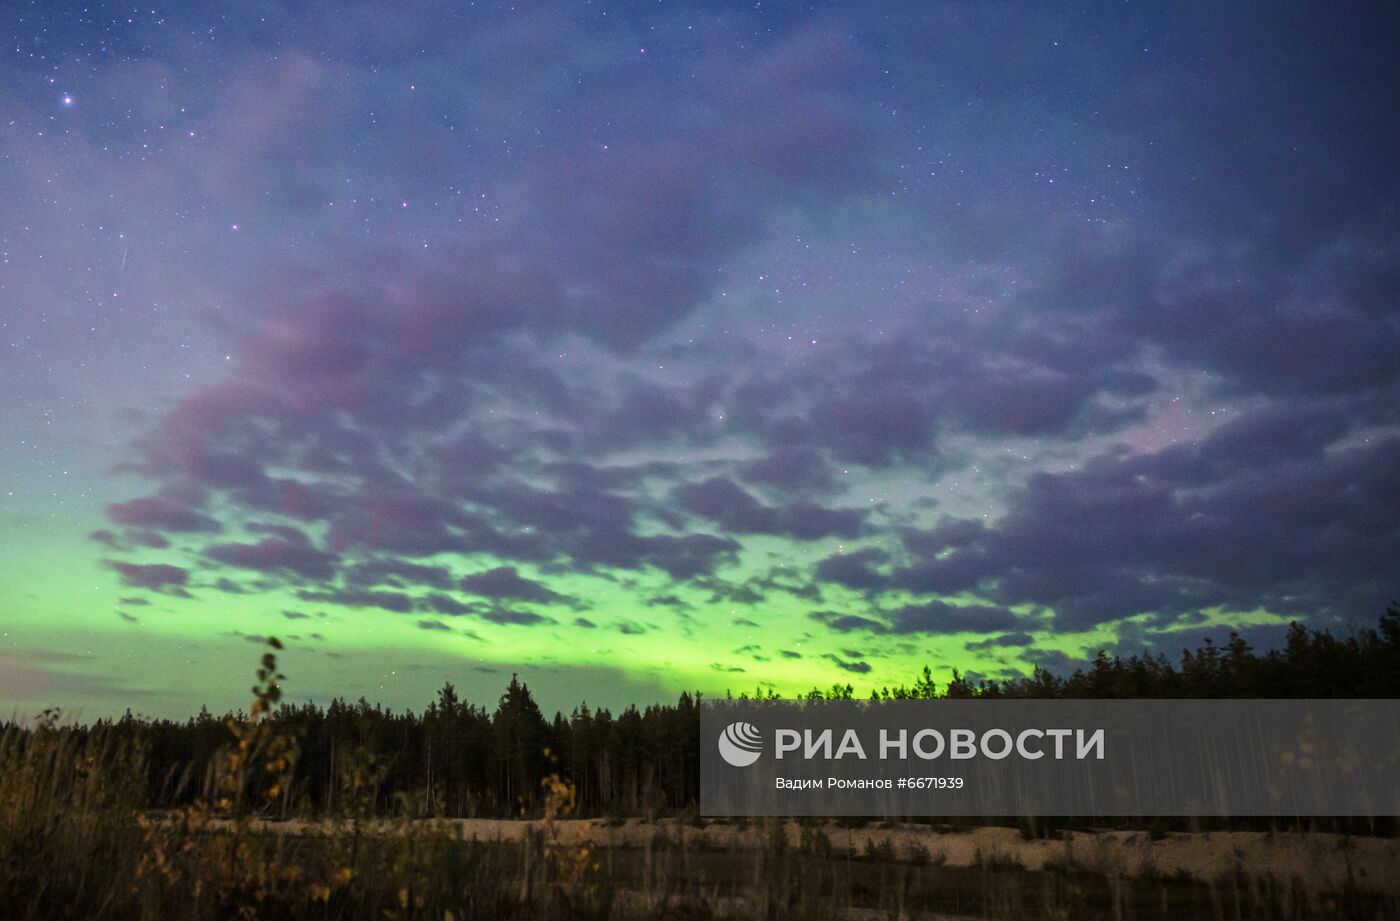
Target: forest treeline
{"type": "Point", "coordinates": [460, 758]}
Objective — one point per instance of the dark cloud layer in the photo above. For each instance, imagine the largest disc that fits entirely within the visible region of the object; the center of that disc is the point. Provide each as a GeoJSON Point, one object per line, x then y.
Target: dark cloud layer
{"type": "Point", "coordinates": [969, 319]}
{"type": "Point", "coordinates": [154, 576]}
{"type": "Point", "coordinates": [505, 582]}
{"type": "Point", "coordinates": [722, 501]}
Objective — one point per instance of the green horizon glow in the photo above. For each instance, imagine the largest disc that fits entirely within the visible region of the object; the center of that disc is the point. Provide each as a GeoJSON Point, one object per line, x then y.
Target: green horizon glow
{"type": "Point", "coordinates": [183, 653]}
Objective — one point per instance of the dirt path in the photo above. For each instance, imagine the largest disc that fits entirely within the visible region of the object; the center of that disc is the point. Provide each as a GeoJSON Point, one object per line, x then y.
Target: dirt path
{"type": "Point", "coordinates": [1320, 861]}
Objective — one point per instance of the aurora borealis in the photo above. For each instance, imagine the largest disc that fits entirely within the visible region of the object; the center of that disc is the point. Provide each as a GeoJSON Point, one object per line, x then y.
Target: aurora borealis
{"type": "Point", "coordinates": [646, 347]}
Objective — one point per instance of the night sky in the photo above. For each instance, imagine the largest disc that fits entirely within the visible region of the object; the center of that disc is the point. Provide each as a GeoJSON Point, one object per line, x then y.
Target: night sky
{"type": "Point", "coordinates": [653, 346]}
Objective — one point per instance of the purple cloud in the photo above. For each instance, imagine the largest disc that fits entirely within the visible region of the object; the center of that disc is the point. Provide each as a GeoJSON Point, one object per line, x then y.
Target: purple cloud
{"type": "Point", "coordinates": [277, 555]}
{"type": "Point", "coordinates": [154, 576]}
{"type": "Point", "coordinates": [506, 582]}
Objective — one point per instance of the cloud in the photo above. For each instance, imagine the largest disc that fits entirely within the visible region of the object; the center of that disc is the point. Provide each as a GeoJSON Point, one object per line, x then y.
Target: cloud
{"type": "Point", "coordinates": [290, 556]}
{"type": "Point", "coordinates": [154, 576]}
{"type": "Point", "coordinates": [1002, 640]}
{"type": "Point", "coordinates": [940, 617]}
{"type": "Point", "coordinates": [926, 617]}
{"type": "Point", "coordinates": [706, 317]}
{"type": "Point", "coordinates": [1227, 523]}
{"type": "Point", "coordinates": [396, 602]}
{"type": "Point", "coordinates": [506, 582]}
{"type": "Point", "coordinates": [160, 514]}
{"type": "Point", "coordinates": [669, 601]}
{"type": "Point", "coordinates": [855, 569]}
{"type": "Point", "coordinates": [446, 604]}
{"type": "Point", "coordinates": [129, 539]}
{"type": "Point", "coordinates": [857, 668]}
{"type": "Point", "coordinates": [339, 381]}
{"type": "Point", "coordinates": [794, 469]}
{"type": "Point", "coordinates": [513, 617]}
{"type": "Point", "coordinates": [400, 574]}
{"type": "Point", "coordinates": [847, 623]}
{"type": "Point", "coordinates": [723, 501]}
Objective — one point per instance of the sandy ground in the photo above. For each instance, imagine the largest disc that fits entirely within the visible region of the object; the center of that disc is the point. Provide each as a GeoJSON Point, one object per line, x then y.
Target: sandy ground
{"type": "Point", "coordinates": [1319, 861]}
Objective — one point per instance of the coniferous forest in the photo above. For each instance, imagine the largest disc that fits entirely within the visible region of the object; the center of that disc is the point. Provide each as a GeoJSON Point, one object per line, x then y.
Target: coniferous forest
{"type": "Point", "coordinates": [461, 758]}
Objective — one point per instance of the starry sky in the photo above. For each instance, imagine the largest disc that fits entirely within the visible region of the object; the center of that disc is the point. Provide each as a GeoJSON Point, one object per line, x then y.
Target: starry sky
{"type": "Point", "coordinates": [656, 346]}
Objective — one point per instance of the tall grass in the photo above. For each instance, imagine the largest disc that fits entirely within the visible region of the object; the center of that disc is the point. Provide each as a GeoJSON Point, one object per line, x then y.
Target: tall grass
{"type": "Point", "coordinates": [77, 841]}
